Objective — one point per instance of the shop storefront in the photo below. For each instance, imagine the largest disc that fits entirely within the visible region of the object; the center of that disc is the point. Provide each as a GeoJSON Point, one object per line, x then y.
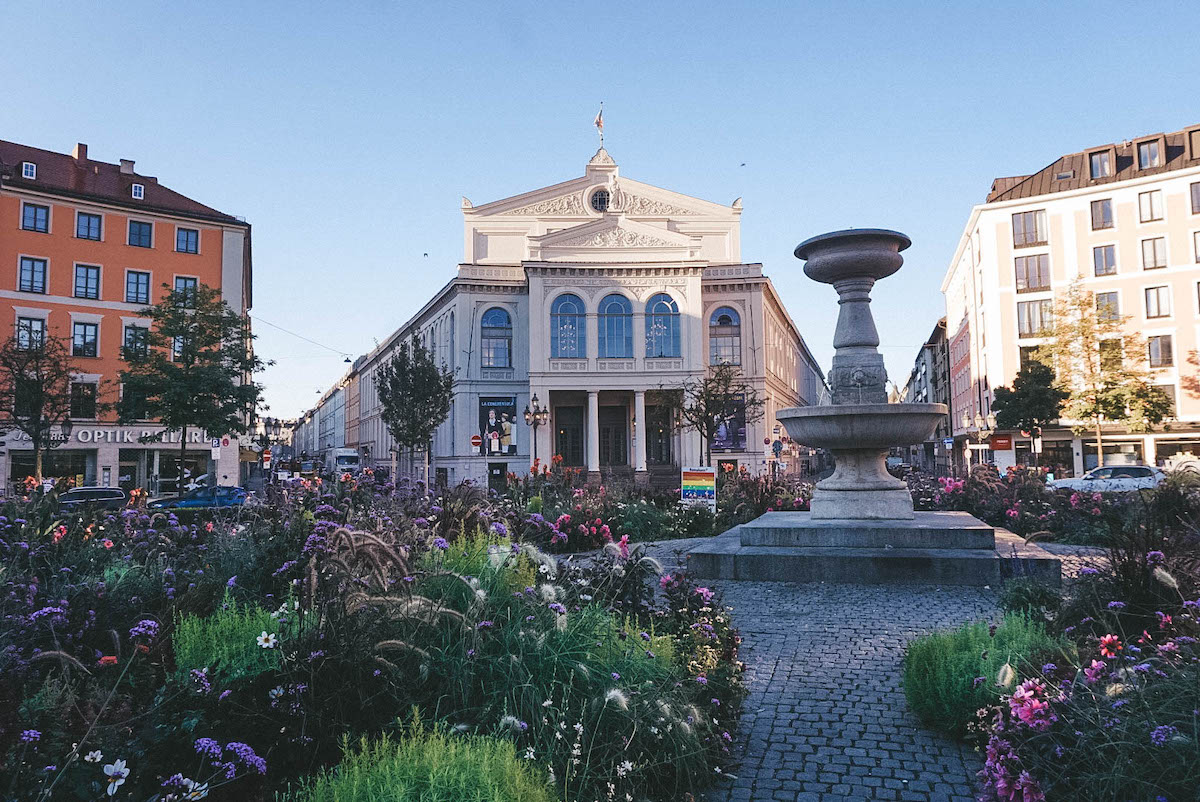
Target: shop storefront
{"type": "Point", "coordinates": [116, 456]}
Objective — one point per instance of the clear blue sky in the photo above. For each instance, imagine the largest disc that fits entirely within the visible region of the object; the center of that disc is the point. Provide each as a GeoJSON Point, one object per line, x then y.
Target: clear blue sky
{"type": "Point", "coordinates": [346, 133]}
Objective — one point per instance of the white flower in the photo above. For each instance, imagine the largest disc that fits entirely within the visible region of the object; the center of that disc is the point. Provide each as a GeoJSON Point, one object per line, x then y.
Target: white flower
{"type": "Point", "coordinates": [116, 773]}
{"type": "Point", "coordinates": [579, 727]}
{"type": "Point", "coordinates": [275, 692]}
{"type": "Point", "coordinates": [624, 768]}
{"type": "Point", "coordinates": [717, 769]}
{"type": "Point", "coordinates": [94, 756]}
{"type": "Point", "coordinates": [529, 753]}
{"type": "Point", "coordinates": [194, 789]}
{"type": "Point", "coordinates": [547, 703]}
{"type": "Point", "coordinates": [266, 641]}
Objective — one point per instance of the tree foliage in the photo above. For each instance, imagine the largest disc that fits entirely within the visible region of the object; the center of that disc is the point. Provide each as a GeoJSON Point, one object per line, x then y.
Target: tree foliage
{"type": "Point", "coordinates": [193, 368]}
{"type": "Point", "coordinates": [1101, 366]}
{"type": "Point", "coordinates": [415, 393]}
{"type": "Point", "coordinates": [35, 391]}
{"type": "Point", "coordinates": [1032, 403]}
{"type": "Point", "coordinates": [721, 396]}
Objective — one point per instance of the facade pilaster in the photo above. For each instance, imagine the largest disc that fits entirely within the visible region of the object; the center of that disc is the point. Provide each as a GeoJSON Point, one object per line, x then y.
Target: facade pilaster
{"type": "Point", "coordinates": [593, 434]}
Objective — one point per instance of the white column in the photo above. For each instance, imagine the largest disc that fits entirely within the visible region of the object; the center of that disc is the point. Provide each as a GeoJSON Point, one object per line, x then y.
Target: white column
{"type": "Point", "coordinates": [639, 421]}
{"type": "Point", "coordinates": [593, 432]}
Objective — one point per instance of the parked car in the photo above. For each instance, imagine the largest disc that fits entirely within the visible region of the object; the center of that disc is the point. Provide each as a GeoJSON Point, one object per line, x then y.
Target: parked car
{"type": "Point", "coordinates": [202, 498]}
{"type": "Point", "coordinates": [92, 498]}
{"type": "Point", "coordinates": [1113, 479]}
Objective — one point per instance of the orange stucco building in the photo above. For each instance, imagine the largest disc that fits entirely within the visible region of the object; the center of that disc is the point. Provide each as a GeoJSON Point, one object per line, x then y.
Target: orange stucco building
{"type": "Point", "coordinates": [85, 246]}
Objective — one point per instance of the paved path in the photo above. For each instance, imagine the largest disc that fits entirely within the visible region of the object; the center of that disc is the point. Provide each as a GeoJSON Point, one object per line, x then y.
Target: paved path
{"type": "Point", "coordinates": [826, 718]}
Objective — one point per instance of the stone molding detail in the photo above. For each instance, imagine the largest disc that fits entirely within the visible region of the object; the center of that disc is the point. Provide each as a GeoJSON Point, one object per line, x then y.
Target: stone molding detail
{"type": "Point", "coordinates": [569, 365]}
{"type": "Point", "coordinates": [497, 374]}
{"type": "Point", "coordinates": [563, 205]}
{"type": "Point", "coordinates": [639, 205]}
{"type": "Point", "coordinates": [615, 365]}
{"type": "Point", "coordinates": [617, 238]}
{"type": "Point", "coordinates": [663, 363]}
{"type": "Point", "coordinates": [500, 271]}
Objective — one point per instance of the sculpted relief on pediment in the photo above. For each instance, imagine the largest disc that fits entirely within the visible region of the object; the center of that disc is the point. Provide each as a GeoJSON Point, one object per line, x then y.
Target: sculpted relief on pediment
{"type": "Point", "coordinates": [563, 205]}
{"type": "Point", "coordinates": [617, 238]}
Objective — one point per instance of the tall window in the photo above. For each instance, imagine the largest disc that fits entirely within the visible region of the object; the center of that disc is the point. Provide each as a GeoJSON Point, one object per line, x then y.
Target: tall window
{"type": "Point", "coordinates": [1108, 306]}
{"type": "Point", "coordinates": [1161, 351]}
{"type": "Point", "coordinates": [568, 328]}
{"type": "Point", "coordinates": [137, 287]}
{"type": "Point", "coordinates": [141, 234]}
{"type": "Point", "coordinates": [1148, 155]}
{"type": "Point", "coordinates": [1101, 164]}
{"type": "Point", "coordinates": [35, 217]}
{"type": "Point", "coordinates": [87, 282]}
{"type": "Point", "coordinates": [1169, 392]}
{"type": "Point", "coordinates": [31, 333]}
{"type": "Point", "coordinates": [1196, 198]}
{"type": "Point", "coordinates": [1150, 206]}
{"type": "Point", "coordinates": [1154, 253]}
{"type": "Point", "coordinates": [186, 286]}
{"type": "Point", "coordinates": [1033, 273]}
{"type": "Point", "coordinates": [495, 338]}
{"type": "Point", "coordinates": [88, 226]}
{"type": "Point", "coordinates": [187, 240]}
{"type": "Point", "coordinates": [33, 275]}
{"type": "Point", "coordinates": [1029, 228]}
{"type": "Point", "coordinates": [662, 326]}
{"type": "Point", "coordinates": [725, 337]}
{"type": "Point", "coordinates": [1196, 245]}
{"type": "Point", "coordinates": [83, 400]}
{"type": "Point", "coordinates": [1033, 318]}
{"type": "Point", "coordinates": [137, 341]}
{"type": "Point", "coordinates": [1158, 302]}
{"type": "Point", "coordinates": [1102, 214]}
{"type": "Point", "coordinates": [1112, 353]}
{"type": "Point", "coordinates": [1104, 259]}
{"type": "Point", "coordinates": [83, 339]}
{"type": "Point", "coordinates": [616, 328]}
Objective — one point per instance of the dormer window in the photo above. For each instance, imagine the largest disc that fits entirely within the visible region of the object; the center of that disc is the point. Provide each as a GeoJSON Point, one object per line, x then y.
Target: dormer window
{"type": "Point", "coordinates": [600, 200]}
{"type": "Point", "coordinates": [28, 170]}
{"type": "Point", "coordinates": [1149, 155]}
{"type": "Point", "coordinates": [139, 191]}
{"type": "Point", "coordinates": [1101, 164]}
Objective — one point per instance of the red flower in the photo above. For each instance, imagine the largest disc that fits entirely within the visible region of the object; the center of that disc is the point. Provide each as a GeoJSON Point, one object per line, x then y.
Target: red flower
{"type": "Point", "coordinates": [108, 544]}
{"type": "Point", "coordinates": [108, 660]}
{"type": "Point", "coordinates": [1110, 645]}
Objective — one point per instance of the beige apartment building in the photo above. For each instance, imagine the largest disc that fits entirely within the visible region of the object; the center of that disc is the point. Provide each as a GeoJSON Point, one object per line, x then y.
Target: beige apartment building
{"type": "Point", "coordinates": [1123, 218]}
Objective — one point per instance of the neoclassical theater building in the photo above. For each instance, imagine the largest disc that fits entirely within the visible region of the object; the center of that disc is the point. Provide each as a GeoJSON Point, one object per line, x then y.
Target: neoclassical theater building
{"type": "Point", "coordinates": [600, 296]}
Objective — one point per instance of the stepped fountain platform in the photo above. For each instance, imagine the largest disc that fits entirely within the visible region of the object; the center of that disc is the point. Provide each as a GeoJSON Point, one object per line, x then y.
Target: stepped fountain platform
{"type": "Point", "coordinates": [932, 548]}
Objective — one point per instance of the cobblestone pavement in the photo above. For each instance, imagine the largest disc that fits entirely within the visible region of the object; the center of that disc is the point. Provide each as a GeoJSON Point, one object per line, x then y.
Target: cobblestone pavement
{"type": "Point", "coordinates": [826, 717]}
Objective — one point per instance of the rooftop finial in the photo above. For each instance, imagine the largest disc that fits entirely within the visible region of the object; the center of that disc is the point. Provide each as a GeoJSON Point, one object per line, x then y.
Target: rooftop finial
{"type": "Point", "coordinates": [599, 123]}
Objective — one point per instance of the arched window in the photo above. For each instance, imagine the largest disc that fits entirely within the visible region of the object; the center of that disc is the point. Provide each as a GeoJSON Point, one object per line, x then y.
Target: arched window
{"type": "Point", "coordinates": [495, 338]}
{"type": "Point", "coordinates": [725, 337]}
{"type": "Point", "coordinates": [568, 332]}
{"type": "Point", "coordinates": [662, 326]}
{"type": "Point", "coordinates": [616, 328]}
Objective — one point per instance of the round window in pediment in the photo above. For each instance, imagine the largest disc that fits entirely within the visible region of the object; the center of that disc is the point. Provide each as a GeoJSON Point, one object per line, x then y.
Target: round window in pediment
{"type": "Point", "coordinates": [600, 200]}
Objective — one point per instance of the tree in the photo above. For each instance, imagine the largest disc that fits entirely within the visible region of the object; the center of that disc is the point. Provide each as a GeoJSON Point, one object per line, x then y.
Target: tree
{"type": "Point", "coordinates": [415, 393]}
{"type": "Point", "coordinates": [35, 390]}
{"type": "Point", "coordinates": [1101, 366]}
{"type": "Point", "coordinates": [192, 369]}
{"type": "Point", "coordinates": [718, 399]}
{"type": "Point", "coordinates": [1033, 402]}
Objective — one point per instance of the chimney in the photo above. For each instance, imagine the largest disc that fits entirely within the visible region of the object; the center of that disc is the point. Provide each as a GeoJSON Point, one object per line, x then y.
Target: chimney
{"type": "Point", "coordinates": [127, 166]}
{"type": "Point", "coordinates": [80, 152]}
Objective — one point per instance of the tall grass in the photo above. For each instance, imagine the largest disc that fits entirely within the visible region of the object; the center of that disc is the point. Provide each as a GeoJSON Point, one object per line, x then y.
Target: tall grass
{"type": "Point", "coordinates": [428, 766]}
{"type": "Point", "coordinates": [948, 676]}
{"type": "Point", "coordinates": [225, 642]}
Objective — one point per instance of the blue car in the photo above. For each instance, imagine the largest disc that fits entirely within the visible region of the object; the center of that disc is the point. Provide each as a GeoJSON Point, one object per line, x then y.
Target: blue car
{"type": "Point", "coordinates": [202, 498]}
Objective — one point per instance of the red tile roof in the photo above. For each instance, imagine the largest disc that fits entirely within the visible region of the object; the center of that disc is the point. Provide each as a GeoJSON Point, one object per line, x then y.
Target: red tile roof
{"type": "Point", "coordinates": [87, 179]}
{"type": "Point", "coordinates": [1073, 171]}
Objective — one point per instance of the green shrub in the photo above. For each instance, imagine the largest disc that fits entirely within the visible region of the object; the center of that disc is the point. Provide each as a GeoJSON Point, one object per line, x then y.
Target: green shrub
{"type": "Point", "coordinates": [225, 643]}
{"type": "Point", "coordinates": [429, 766]}
{"type": "Point", "coordinates": [948, 676]}
{"type": "Point", "coordinates": [1031, 597]}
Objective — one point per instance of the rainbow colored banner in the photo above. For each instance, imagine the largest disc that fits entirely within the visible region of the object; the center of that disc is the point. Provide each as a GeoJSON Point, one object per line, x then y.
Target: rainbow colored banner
{"type": "Point", "coordinates": [699, 486]}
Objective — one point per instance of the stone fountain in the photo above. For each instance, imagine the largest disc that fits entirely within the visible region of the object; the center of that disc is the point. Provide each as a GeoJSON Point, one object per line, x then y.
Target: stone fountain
{"type": "Point", "coordinates": [862, 527]}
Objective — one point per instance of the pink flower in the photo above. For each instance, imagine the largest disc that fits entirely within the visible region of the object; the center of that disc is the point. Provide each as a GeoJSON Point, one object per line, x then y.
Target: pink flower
{"type": "Point", "coordinates": [664, 580]}
{"type": "Point", "coordinates": [1095, 672]}
{"type": "Point", "coordinates": [623, 545]}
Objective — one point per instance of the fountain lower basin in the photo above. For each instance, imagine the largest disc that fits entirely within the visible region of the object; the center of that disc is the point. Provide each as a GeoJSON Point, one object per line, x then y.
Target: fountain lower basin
{"type": "Point", "coordinates": [859, 436]}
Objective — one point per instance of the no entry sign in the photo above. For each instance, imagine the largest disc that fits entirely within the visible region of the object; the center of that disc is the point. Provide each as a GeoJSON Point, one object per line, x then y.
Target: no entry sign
{"type": "Point", "coordinates": [476, 441]}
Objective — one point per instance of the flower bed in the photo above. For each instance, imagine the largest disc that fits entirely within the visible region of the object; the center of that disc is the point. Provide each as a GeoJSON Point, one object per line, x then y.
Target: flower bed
{"type": "Point", "coordinates": [140, 655]}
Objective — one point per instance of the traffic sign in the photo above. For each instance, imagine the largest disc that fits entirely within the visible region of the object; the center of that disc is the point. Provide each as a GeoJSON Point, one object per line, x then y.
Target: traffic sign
{"type": "Point", "coordinates": [216, 448]}
{"type": "Point", "coordinates": [476, 441]}
{"type": "Point", "coordinates": [225, 441]}
{"type": "Point", "coordinates": [266, 458]}
{"type": "Point", "coordinates": [948, 441]}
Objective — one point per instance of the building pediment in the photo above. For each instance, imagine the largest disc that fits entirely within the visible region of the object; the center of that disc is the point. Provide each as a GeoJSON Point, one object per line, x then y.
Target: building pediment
{"type": "Point", "coordinates": [614, 238]}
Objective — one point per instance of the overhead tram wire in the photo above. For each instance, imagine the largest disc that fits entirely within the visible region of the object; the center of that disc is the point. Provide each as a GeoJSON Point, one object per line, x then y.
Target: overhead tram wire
{"type": "Point", "coordinates": [302, 337]}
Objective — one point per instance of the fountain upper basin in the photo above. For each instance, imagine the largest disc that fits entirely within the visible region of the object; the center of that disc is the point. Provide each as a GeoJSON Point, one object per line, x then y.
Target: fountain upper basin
{"type": "Point", "coordinates": [861, 426]}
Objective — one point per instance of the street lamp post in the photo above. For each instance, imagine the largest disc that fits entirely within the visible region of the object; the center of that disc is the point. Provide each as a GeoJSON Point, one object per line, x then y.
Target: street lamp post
{"type": "Point", "coordinates": [535, 417]}
{"type": "Point", "coordinates": [982, 425]}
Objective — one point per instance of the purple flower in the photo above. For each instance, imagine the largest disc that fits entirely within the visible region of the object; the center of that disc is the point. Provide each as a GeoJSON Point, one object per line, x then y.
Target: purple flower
{"type": "Point", "coordinates": [421, 522]}
{"type": "Point", "coordinates": [1161, 734]}
{"type": "Point", "coordinates": [246, 756]}
{"type": "Point", "coordinates": [1049, 668]}
{"type": "Point", "coordinates": [500, 529]}
{"type": "Point", "coordinates": [232, 581]}
{"type": "Point", "coordinates": [1155, 558]}
{"type": "Point", "coordinates": [1088, 571]}
{"type": "Point", "coordinates": [616, 676]}
{"type": "Point", "coordinates": [558, 608]}
{"type": "Point", "coordinates": [485, 625]}
{"type": "Point", "coordinates": [1116, 605]}
{"type": "Point", "coordinates": [30, 736]}
{"type": "Point", "coordinates": [440, 543]}
{"type": "Point", "coordinates": [207, 747]}
{"type": "Point", "coordinates": [223, 695]}
{"type": "Point", "coordinates": [703, 680]}
{"type": "Point", "coordinates": [287, 566]}
{"type": "Point", "coordinates": [975, 683]}
{"type": "Point", "coordinates": [146, 628]}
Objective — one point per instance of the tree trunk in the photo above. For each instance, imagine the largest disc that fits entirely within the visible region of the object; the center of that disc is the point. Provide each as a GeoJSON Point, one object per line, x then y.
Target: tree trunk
{"type": "Point", "coordinates": [1099, 445]}
{"type": "Point", "coordinates": [428, 446]}
{"type": "Point", "coordinates": [37, 460]}
{"type": "Point", "coordinates": [182, 457]}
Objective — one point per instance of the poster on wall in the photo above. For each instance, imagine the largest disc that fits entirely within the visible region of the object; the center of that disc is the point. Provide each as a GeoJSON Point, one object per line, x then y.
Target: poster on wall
{"type": "Point", "coordinates": [731, 428]}
{"type": "Point", "coordinates": [698, 486]}
{"type": "Point", "coordinates": [498, 426]}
